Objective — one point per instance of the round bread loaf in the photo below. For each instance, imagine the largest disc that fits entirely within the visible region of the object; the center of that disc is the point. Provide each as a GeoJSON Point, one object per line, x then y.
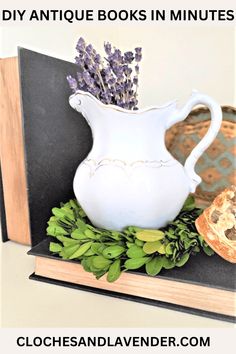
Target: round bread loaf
{"type": "Point", "coordinates": [217, 224]}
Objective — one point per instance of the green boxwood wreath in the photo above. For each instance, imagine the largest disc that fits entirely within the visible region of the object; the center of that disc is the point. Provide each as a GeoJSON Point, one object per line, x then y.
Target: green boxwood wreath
{"type": "Point", "coordinates": [103, 251]}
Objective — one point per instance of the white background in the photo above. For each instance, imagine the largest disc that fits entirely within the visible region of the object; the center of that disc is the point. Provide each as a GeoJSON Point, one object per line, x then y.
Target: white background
{"type": "Point", "coordinates": [176, 59]}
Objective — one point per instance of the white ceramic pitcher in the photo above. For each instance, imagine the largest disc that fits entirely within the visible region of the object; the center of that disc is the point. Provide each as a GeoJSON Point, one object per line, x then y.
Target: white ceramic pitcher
{"type": "Point", "coordinates": [129, 177]}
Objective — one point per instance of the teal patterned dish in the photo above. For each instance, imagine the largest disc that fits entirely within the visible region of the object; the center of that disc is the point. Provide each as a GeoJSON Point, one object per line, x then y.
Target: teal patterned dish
{"type": "Point", "coordinates": [217, 165]}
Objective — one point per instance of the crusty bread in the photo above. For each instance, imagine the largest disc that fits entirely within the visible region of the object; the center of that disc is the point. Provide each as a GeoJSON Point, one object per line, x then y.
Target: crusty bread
{"type": "Point", "coordinates": [217, 224]}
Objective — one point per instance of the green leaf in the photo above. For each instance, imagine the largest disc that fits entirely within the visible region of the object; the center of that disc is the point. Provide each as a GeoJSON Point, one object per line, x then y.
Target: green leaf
{"type": "Point", "coordinates": [101, 248]}
{"type": "Point", "coordinates": [89, 253]}
{"type": "Point", "coordinates": [90, 264]}
{"type": "Point", "coordinates": [115, 235]}
{"type": "Point", "coordinates": [189, 204]}
{"type": "Point", "coordinates": [73, 204]}
{"type": "Point", "coordinates": [196, 249]}
{"type": "Point", "coordinates": [55, 247]}
{"type": "Point", "coordinates": [95, 247]}
{"type": "Point", "coordinates": [182, 260]}
{"type": "Point", "coordinates": [151, 247]}
{"type": "Point", "coordinates": [113, 251]}
{"type": "Point", "coordinates": [139, 242]}
{"type": "Point", "coordinates": [208, 250]}
{"type": "Point", "coordinates": [98, 274]}
{"type": "Point", "coordinates": [99, 262]}
{"type": "Point", "coordinates": [154, 266]}
{"type": "Point", "coordinates": [63, 212]}
{"type": "Point", "coordinates": [129, 238]}
{"type": "Point", "coordinates": [82, 249]}
{"type": "Point", "coordinates": [78, 235]}
{"type": "Point", "coordinates": [56, 230]}
{"type": "Point", "coordinates": [201, 240]}
{"type": "Point", "coordinates": [66, 252]}
{"type": "Point", "coordinates": [86, 263]}
{"type": "Point", "coordinates": [67, 241]}
{"type": "Point", "coordinates": [190, 243]}
{"type": "Point", "coordinates": [150, 235]}
{"type": "Point", "coordinates": [97, 231]}
{"type": "Point", "coordinates": [114, 271]}
{"type": "Point", "coordinates": [81, 225]}
{"type": "Point", "coordinates": [90, 234]}
{"type": "Point", "coordinates": [129, 244]}
{"type": "Point", "coordinates": [135, 252]}
{"type": "Point", "coordinates": [170, 248]}
{"type": "Point", "coordinates": [171, 235]}
{"type": "Point", "coordinates": [58, 212]}
{"type": "Point", "coordinates": [193, 235]}
{"type": "Point", "coordinates": [68, 223]}
{"type": "Point", "coordinates": [168, 263]}
{"type": "Point", "coordinates": [131, 230]}
{"type": "Point", "coordinates": [161, 248]}
{"type": "Point", "coordinates": [68, 219]}
{"type": "Point", "coordinates": [52, 219]}
{"type": "Point", "coordinates": [186, 243]}
{"type": "Point", "coordinates": [82, 213]}
{"type": "Point", "coordinates": [135, 263]}
{"type": "Point", "coordinates": [177, 245]}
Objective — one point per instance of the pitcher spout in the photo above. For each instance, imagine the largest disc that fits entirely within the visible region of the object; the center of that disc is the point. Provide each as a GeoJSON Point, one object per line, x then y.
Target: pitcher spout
{"type": "Point", "coordinates": [86, 104]}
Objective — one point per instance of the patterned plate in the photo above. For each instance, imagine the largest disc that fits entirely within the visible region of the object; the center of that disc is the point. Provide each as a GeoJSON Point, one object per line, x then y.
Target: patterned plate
{"type": "Point", "coordinates": [217, 165]}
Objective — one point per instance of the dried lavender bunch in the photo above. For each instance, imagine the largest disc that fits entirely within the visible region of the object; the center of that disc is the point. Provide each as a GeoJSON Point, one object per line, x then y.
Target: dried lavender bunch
{"type": "Point", "coordinates": [113, 80]}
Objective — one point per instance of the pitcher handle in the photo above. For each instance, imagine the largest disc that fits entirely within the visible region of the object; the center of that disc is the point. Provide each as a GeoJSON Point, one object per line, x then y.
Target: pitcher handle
{"type": "Point", "coordinates": [216, 119]}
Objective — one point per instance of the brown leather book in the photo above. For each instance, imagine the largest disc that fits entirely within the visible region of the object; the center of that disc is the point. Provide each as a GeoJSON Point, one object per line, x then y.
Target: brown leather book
{"type": "Point", "coordinates": [15, 211]}
{"type": "Point", "coordinates": [192, 288]}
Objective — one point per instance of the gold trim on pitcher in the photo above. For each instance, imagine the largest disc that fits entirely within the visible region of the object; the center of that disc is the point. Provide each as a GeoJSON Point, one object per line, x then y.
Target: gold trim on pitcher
{"type": "Point", "coordinates": [126, 165]}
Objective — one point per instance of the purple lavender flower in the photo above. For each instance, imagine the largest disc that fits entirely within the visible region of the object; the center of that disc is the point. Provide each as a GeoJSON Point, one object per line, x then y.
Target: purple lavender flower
{"type": "Point", "coordinates": [80, 44]}
{"type": "Point", "coordinates": [108, 77]}
{"type": "Point", "coordinates": [128, 57]}
{"type": "Point", "coordinates": [106, 73]}
{"type": "Point", "coordinates": [136, 69]}
{"type": "Point", "coordinates": [79, 61]}
{"type": "Point", "coordinates": [112, 80]}
{"type": "Point", "coordinates": [127, 70]}
{"type": "Point", "coordinates": [118, 71]}
{"type": "Point", "coordinates": [95, 67]}
{"type": "Point", "coordinates": [89, 49]}
{"type": "Point", "coordinates": [138, 54]}
{"type": "Point", "coordinates": [135, 80]}
{"type": "Point", "coordinates": [88, 60]}
{"type": "Point", "coordinates": [105, 97]}
{"type": "Point", "coordinates": [80, 78]}
{"type": "Point", "coordinates": [128, 85]}
{"type": "Point", "coordinates": [138, 57]}
{"type": "Point", "coordinates": [72, 82]}
{"type": "Point", "coordinates": [117, 56]}
{"type": "Point", "coordinates": [88, 78]}
{"type": "Point", "coordinates": [95, 90]}
{"type": "Point", "coordinates": [107, 47]}
{"type": "Point", "coordinates": [97, 58]}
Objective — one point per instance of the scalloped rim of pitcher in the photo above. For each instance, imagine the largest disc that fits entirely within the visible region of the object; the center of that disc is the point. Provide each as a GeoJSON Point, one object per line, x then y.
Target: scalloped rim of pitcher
{"type": "Point", "coordinates": [117, 108]}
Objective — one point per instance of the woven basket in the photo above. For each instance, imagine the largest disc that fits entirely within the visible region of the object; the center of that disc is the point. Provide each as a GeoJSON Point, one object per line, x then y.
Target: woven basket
{"type": "Point", "coordinates": [217, 165]}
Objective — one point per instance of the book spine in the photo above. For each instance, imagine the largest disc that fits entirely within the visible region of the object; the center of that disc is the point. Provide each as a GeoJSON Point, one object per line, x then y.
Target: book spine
{"type": "Point", "coordinates": [2, 211]}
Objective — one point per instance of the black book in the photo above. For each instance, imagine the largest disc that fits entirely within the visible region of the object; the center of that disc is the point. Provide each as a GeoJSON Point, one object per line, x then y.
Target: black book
{"type": "Point", "coordinates": [204, 285]}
